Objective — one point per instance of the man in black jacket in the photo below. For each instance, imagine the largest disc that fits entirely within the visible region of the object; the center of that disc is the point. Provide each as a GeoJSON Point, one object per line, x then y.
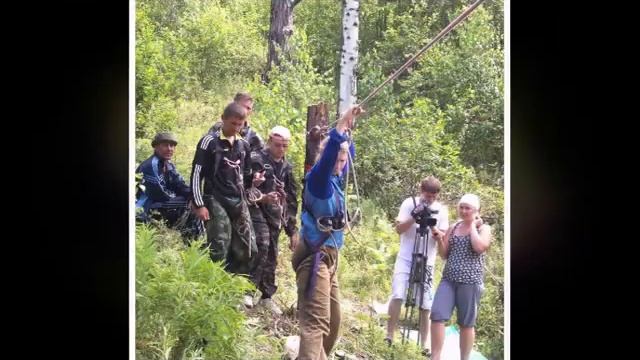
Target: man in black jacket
{"type": "Point", "coordinates": [220, 176]}
{"type": "Point", "coordinates": [275, 210]}
{"type": "Point", "coordinates": [246, 101]}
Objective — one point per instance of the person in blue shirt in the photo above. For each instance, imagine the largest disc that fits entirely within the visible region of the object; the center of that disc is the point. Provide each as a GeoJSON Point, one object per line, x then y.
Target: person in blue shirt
{"type": "Point", "coordinates": [315, 258]}
{"type": "Point", "coordinates": [164, 192]}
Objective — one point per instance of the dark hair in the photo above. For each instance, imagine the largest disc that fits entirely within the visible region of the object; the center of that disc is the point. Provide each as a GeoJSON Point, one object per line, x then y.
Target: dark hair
{"type": "Point", "coordinates": [242, 96]}
{"type": "Point", "coordinates": [430, 184]}
{"type": "Point", "coordinates": [234, 110]}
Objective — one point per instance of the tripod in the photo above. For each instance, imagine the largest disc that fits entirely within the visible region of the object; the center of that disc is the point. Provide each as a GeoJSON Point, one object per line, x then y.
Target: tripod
{"type": "Point", "coordinates": [418, 275]}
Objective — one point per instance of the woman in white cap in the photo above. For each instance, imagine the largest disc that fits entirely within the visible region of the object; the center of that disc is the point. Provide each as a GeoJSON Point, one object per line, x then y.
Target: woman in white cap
{"type": "Point", "coordinates": [463, 247]}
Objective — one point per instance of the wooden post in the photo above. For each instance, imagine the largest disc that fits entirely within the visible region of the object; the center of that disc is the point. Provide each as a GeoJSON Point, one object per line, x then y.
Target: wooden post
{"type": "Point", "coordinates": [317, 123]}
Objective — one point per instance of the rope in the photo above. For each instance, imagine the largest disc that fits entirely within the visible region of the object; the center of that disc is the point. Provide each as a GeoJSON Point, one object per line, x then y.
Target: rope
{"type": "Point", "coordinates": [409, 62]}
{"type": "Point", "coordinates": [243, 195]}
{"type": "Point", "coordinates": [254, 195]}
{"type": "Point", "coordinates": [355, 181]}
{"type": "Point", "coordinates": [440, 35]}
{"type": "Point", "coordinates": [358, 210]}
{"type": "Point", "coordinates": [282, 198]}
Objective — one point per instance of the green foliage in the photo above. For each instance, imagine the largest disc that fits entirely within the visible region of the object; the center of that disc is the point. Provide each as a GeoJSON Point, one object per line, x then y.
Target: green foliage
{"type": "Point", "coordinates": [463, 74]}
{"type": "Point", "coordinates": [321, 20]}
{"type": "Point", "coordinates": [366, 262]}
{"type": "Point", "coordinates": [403, 149]}
{"type": "Point", "coordinates": [490, 323]}
{"type": "Point", "coordinates": [465, 78]}
{"type": "Point", "coordinates": [193, 50]}
{"type": "Point", "coordinates": [218, 43]}
{"type": "Point", "coordinates": [284, 100]}
{"type": "Point", "coordinates": [185, 303]}
{"type": "Point", "coordinates": [364, 337]}
{"type": "Point", "coordinates": [160, 116]}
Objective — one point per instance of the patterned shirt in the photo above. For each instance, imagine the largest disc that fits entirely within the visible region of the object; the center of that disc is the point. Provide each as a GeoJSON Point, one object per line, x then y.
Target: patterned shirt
{"type": "Point", "coordinates": [464, 265]}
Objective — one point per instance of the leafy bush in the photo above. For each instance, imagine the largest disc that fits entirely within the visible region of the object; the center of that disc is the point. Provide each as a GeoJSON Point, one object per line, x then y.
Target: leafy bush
{"type": "Point", "coordinates": [185, 303]}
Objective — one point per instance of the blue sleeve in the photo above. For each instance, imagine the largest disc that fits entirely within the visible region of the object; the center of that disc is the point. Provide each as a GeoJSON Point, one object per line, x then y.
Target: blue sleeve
{"type": "Point", "coordinates": [154, 185]}
{"type": "Point", "coordinates": [178, 184]}
{"type": "Point", "coordinates": [319, 177]}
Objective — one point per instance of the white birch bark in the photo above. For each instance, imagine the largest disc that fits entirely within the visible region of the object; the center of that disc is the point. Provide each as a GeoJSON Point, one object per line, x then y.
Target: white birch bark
{"type": "Point", "coordinates": [349, 54]}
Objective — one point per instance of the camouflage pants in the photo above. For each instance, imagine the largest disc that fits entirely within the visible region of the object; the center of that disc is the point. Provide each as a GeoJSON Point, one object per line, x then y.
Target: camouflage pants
{"type": "Point", "coordinates": [264, 272]}
{"type": "Point", "coordinates": [230, 235]}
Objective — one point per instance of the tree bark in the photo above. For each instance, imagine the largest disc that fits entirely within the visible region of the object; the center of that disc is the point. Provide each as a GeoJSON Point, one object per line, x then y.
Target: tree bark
{"type": "Point", "coordinates": [281, 28]}
{"type": "Point", "coordinates": [317, 123]}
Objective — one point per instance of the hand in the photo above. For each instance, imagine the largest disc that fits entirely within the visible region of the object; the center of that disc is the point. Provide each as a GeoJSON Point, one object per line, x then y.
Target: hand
{"type": "Point", "coordinates": [348, 118]}
{"type": "Point", "coordinates": [258, 178]}
{"type": "Point", "coordinates": [294, 240]}
{"type": "Point", "coordinates": [478, 222]}
{"type": "Point", "coordinates": [271, 198]}
{"type": "Point", "coordinates": [317, 133]}
{"type": "Point", "coordinates": [417, 210]}
{"type": "Point", "coordinates": [437, 234]}
{"type": "Point", "coordinates": [202, 213]}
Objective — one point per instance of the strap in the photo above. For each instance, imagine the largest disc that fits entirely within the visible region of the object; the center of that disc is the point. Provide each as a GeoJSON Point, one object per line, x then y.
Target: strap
{"type": "Point", "coordinates": [454, 229]}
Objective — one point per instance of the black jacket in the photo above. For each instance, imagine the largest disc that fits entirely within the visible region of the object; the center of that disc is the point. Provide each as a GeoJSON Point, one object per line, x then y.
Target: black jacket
{"type": "Point", "coordinates": [220, 168]}
{"type": "Point", "coordinates": [283, 172]}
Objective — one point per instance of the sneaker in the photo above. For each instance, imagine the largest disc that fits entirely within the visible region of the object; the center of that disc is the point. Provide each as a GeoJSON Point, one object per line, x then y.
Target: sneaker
{"type": "Point", "coordinates": [426, 353]}
{"type": "Point", "coordinates": [269, 304]}
{"type": "Point", "coordinates": [248, 301]}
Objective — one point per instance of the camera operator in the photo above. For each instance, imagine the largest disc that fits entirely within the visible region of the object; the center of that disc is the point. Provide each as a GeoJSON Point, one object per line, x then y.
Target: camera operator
{"type": "Point", "coordinates": [430, 210]}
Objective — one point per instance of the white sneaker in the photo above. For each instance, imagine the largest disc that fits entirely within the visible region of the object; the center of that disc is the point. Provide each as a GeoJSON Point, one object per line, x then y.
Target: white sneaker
{"type": "Point", "coordinates": [269, 304]}
{"type": "Point", "coordinates": [248, 301]}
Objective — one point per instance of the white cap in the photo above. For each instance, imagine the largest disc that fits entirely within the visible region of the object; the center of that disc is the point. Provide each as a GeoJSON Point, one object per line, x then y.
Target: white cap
{"type": "Point", "coordinates": [471, 200]}
{"type": "Point", "coordinates": [281, 131]}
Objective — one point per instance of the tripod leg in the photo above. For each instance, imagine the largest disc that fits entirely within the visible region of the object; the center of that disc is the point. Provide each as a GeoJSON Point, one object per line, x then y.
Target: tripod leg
{"type": "Point", "coordinates": [405, 321]}
{"type": "Point", "coordinates": [420, 296]}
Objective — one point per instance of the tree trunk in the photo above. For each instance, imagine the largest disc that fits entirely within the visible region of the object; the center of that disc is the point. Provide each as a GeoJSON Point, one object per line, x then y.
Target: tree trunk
{"type": "Point", "coordinates": [349, 56]}
{"type": "Point", "coordinates": [280, 30]}
{"type": "Point", "coordinates": [317, 123]}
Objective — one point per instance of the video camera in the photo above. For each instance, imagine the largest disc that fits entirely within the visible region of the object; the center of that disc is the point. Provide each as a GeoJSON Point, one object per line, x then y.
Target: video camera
{"type": "Point", "coordinates": [422, 214]}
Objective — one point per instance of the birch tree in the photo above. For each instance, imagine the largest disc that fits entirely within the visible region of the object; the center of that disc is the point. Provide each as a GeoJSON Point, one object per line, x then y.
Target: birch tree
{"type": "Point", "coordinates": [349, 54]}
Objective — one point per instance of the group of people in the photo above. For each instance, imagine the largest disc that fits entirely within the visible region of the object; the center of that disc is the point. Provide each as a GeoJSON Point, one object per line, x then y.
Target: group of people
{"type": "Point", "coordinates": [462, 246]}
{"type": "Point", "coordinates": [242, 194]}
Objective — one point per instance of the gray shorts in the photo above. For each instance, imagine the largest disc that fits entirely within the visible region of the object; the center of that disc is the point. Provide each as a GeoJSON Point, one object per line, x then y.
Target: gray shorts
{"type": "Point", "coordinates": [465, 297]}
